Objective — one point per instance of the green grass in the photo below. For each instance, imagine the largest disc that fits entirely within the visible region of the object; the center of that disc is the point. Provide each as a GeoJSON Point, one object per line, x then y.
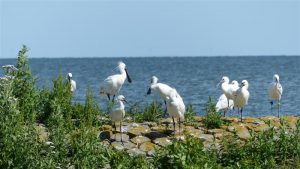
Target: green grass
{"type": "Point", "coordinates": [75, 143]}
{"type": "Point", "coordinates": [213, 118]}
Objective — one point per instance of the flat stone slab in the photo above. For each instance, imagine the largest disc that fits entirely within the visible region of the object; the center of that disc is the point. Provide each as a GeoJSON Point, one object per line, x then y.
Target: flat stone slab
{"type": "Point", "coordinates": [139, 130]}
{"type": "Point", "coordinates": [135, 152]}
{"type": "Point", "coordinates": [243, 133]}
{"type": "Point", "coordinates": [164, 141]}
{"type": "Point", "coordinates": [206, 137]}
{"type": "Point", "coordinates": [148, 146]}
{"type": "Point", "coordinates": [140, 139]}
{"type": "Point", "coordinates": [117, 137]}
{"type": "Point", "coordinates": [122, 145]}
{"type": "Point", "coordinates": [261, 127]}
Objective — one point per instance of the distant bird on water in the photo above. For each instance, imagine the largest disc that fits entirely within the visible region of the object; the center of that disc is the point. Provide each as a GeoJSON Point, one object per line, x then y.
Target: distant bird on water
{"type": "Point", "coordinates": [241, 97]}
{"type": "Point", "coordinates": [118, 113]}
{"type": "Point", "coordinates": [112, 84]}
{"type": "Point", "coordinates": [275, 91]}
{"type": "Point", "coordinates": [71, 82]}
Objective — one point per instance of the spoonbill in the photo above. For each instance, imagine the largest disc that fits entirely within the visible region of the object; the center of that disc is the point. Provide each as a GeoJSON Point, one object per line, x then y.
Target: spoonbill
{"type": "Point", "coordinates": [71, 82]}
{"type": "Point", "coordinates": [275, 91]}
{"type": "Point", "coordinates": [229, 89]}
{"type": "Point", "coordinates": [117, 113]}
{"type": "Point", "coordinates": [162, 89]}
{"type": "Point", "coordinates": [175, 107]}
{"type": "Point", "coordinates": [241, 97]}
{"type": "Point", "coordinates": [222, 104]}
{"type": "Point", "coordinates": [112, 84]}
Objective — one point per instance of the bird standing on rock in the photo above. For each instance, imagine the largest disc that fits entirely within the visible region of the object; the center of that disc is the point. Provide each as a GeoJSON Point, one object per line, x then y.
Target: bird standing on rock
{"type": "Point", "coordinates": [241, 97]}
{"type": "Point", "coordinates": [175, 108]}
{"type": "Point", "coordinates": [118, 113]}
{"type": "Point", "coordinates": [275, 91]}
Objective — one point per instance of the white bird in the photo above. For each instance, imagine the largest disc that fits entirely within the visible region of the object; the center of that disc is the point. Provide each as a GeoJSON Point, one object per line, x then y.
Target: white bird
{"type": "Point", "coordinates": [275, 91]}
{"type": "Point", "coordinates": [112, 84]}
{"type": "Point", "coordinates": [241, 97]}
{"type": "Point", "coordinates": [71, 82]}
{"type": "Point", "coordinates": [229, 89]}
{"type": "Point", "coordinates": [175, 107]}
{"type": "Point", "coordinates": [117, 113]}
{"type": "Point", "coordinates": [162, 89]}
{"type": "Point", "coordinates": [222, 104]}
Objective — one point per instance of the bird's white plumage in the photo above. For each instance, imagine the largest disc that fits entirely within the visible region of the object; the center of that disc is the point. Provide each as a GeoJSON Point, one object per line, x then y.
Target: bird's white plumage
{"type": "Point", "coordinates": [72, 82]}
{"type": "Point", "coordinates": [72, 85]}
{"type": "Point", "coordinates": [242, 95]}
{"type": "Point", "coordinates": [275, 89]}
{"type": "Point", "coordinates": [113, 84]}
{"type": "Point", "coordinates": [222, 104]}
{"type": "Point", "coordinates": [175, 105]}
{"type": "Point", "coordinates": [117, 113]}
{"type": "Point", "coordinates": [162, 89]}
{"type": "Point", "coordinates": [229, 89]}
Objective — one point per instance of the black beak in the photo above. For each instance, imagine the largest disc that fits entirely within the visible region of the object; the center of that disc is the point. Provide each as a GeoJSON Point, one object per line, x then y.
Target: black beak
{"type": "Point", "coordinates": [128, 77]}
{"type": "Point", "coordinates": [149, 91]}
{"type": "Point", "coordinates": [125, 101]}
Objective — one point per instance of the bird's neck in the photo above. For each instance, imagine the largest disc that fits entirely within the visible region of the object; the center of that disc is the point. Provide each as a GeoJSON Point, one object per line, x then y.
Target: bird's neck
{"type": "Point", "coordinates": [121, 105]}
{"type": "Point", "coordinates": [224, 86]}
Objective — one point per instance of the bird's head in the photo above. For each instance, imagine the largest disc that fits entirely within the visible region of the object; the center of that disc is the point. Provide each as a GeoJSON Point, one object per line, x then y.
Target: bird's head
{"type": "Point", "coordinates": [154, 80]}
{"type": "Point", "coordinates": [121, 98]}
{"type": "Point", "coordinates": [235, 83]}
{"type": "Point", "coordinates": [69, 76]}
{"type": "Point", "coordinates": [245, 84]}
{"type": "Point", "coordinates": [276, 78]}
{"type": "Point", "coordinates": [224, 79]}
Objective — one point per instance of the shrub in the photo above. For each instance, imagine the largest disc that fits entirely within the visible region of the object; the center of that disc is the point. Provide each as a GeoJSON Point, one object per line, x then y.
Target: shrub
{"type": "Point", "coordinates": [213, 118]}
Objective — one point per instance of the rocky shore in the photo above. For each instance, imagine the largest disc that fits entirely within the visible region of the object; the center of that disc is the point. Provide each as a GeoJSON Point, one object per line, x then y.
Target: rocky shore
{"type": "Point", "coordinates": [145, 138]}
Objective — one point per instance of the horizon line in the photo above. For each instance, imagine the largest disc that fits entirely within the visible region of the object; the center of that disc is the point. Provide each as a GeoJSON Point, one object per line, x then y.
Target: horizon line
{"type": "Point", "coordinates": [109, 57]}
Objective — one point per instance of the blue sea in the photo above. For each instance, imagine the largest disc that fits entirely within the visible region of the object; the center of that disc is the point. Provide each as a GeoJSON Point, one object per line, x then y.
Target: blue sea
{"type": "Point", "coordinates": [195, 78]}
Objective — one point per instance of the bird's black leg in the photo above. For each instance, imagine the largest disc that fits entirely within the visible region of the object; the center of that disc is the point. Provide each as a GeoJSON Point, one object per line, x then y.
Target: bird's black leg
{"type": "Point", "coordinates": [242, 115]}
{"type": "Point", "coordinates": [113, 99]}
{"type": "Point", "coordinates": [278, 108]}
{"type": "Point", "coordinates": [173, 124]}
{"type": "Point", "coordinates": [108, 96]}
{"type": "Point", "coordinates": [121, 133]}
{"type": "Point", "coordinates": [165, 115]}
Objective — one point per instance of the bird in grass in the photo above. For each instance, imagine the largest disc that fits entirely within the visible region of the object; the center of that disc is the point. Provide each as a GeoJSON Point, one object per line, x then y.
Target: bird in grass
{"type": "Point", "coordinates": [71, 82]}
{"type": "Point", "coordinates": [112, 84]}
{"type": "Point", "coordinates": [175, 108]}
{"type": "Point", "coordinates": [117, 113]}
{"type": "Point", "coordinates": [275, 92]}
{"type": "Point", "coordinates": [241, 97]}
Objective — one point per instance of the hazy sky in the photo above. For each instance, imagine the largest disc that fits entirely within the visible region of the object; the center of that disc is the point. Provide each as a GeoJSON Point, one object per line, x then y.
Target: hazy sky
{"type": "Point", "coordinates": [69, 28]}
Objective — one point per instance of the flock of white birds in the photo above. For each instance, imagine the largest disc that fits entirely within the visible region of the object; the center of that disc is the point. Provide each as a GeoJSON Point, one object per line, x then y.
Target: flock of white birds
{"type": "Point", "coordinates": [234, 95]}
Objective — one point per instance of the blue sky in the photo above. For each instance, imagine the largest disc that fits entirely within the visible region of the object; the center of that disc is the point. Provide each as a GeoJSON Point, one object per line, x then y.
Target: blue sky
{"type": "Point", "coordinates": [108, 28]}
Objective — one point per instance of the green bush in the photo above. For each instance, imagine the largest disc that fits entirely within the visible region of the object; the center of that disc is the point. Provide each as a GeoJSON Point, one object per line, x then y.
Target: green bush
{"type": "Point", "coordinates": [185, 154]}
{"type": "Point", "coordinates": [152, 113]}
{"type": "Point", "coordinates": [213, 118]}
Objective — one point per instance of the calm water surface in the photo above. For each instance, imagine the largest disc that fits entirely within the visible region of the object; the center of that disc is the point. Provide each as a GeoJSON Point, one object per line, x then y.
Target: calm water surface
{"type": "Point", "coordinates": [195, 78]}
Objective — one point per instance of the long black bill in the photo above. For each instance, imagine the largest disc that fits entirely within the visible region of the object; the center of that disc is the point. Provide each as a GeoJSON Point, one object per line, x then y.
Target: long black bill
{"type": "Point", "coordinates": [128, 77]}
{"type": "Point", "coordinates": [149, 91]}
